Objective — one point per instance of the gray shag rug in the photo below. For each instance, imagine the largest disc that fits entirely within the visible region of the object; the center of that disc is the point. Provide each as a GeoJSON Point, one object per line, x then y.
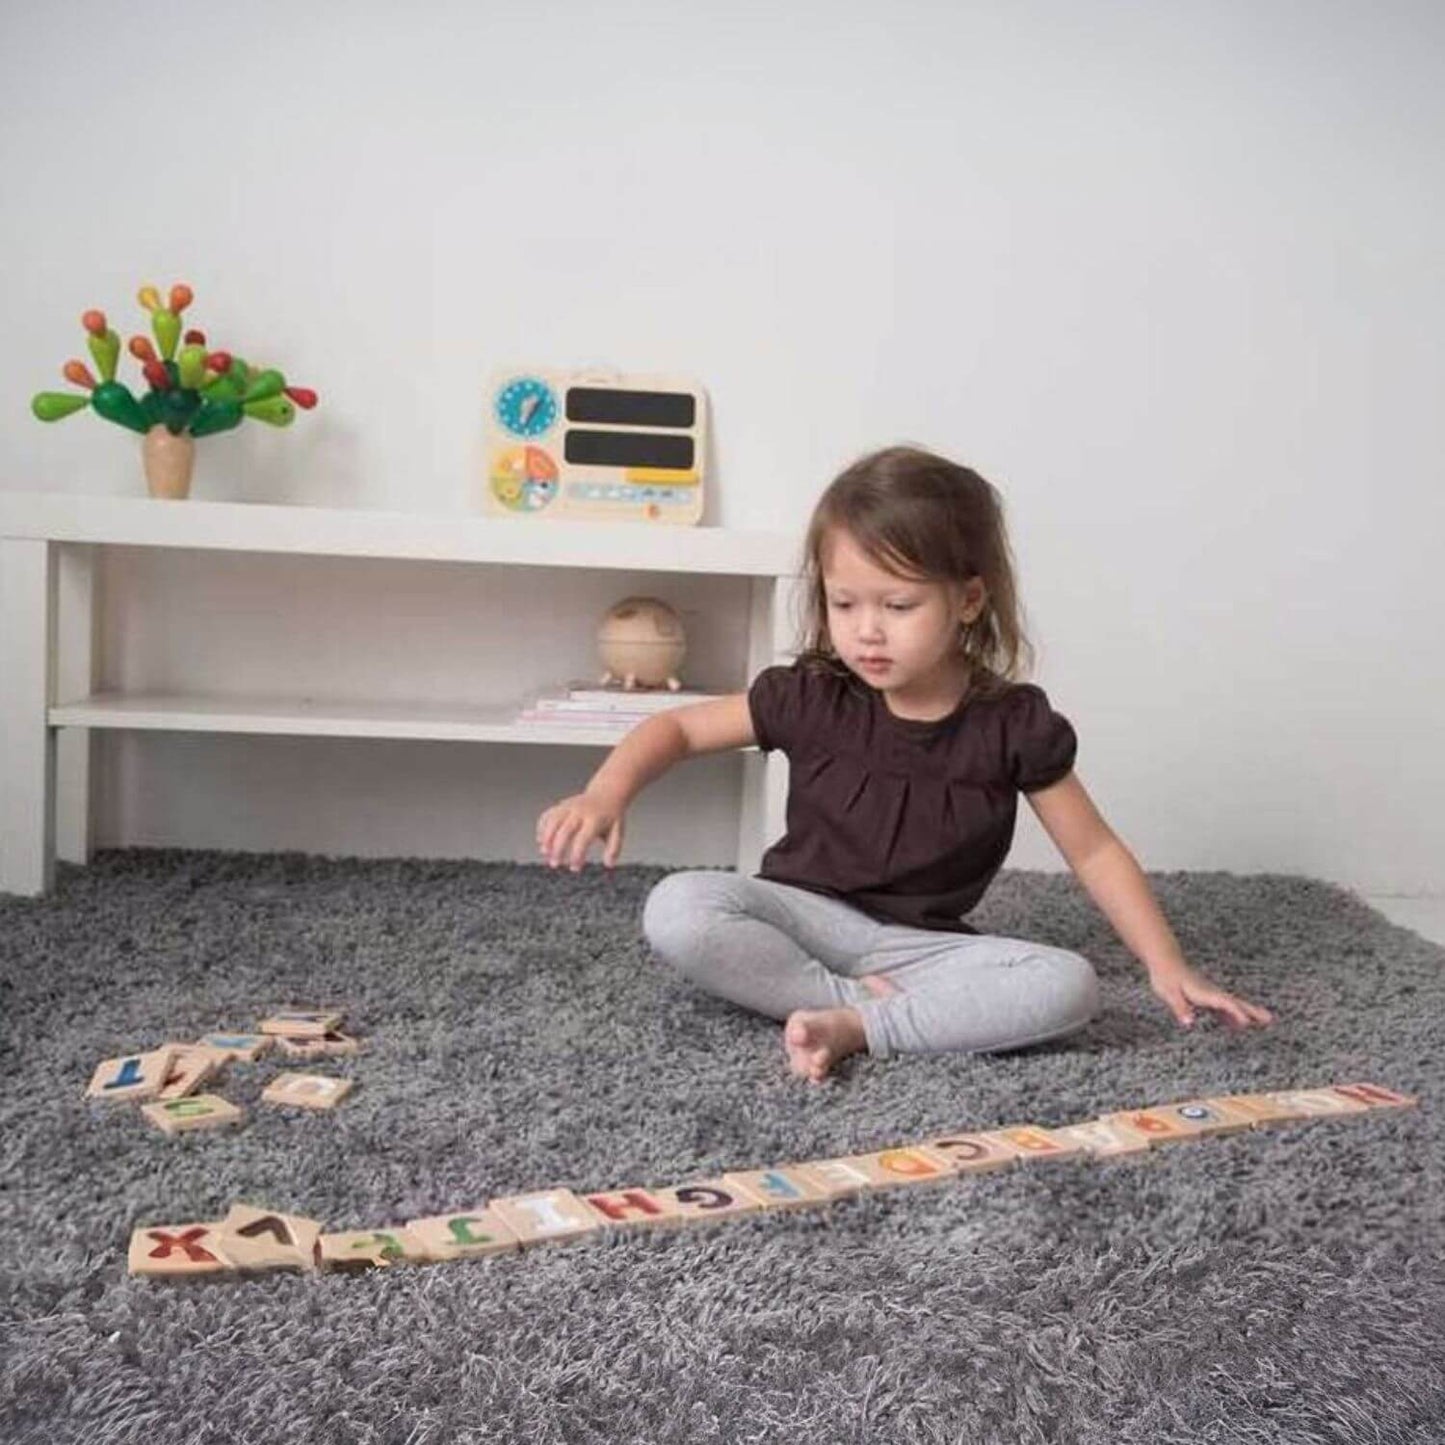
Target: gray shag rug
{"type": "Point", "coordinates": [1282, 1285]}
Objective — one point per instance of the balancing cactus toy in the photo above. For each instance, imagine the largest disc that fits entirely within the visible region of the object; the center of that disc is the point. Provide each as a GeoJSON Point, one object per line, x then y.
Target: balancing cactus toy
{"type": "Point", "coordinates": [191, 391]}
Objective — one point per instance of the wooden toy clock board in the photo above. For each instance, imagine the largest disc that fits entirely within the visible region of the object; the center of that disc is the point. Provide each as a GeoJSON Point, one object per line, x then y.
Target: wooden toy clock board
{"type": "Point", "coordinates": [595, 446]}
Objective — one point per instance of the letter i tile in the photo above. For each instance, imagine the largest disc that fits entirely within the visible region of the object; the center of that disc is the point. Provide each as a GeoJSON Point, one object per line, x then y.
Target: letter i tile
{"type": "Point", "coordinates": [551, 1216]}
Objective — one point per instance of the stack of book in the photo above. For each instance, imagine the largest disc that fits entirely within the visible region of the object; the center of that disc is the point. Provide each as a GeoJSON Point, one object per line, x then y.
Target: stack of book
{"type": "Point", "coordinates": [585, 705]}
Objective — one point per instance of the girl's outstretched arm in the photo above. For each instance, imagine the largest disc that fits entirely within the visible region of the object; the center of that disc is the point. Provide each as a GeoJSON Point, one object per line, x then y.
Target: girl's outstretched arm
{"type": "Point", "coordinates": [1117, 884]}
{"type": "Point", "coordinates": [567, 829]}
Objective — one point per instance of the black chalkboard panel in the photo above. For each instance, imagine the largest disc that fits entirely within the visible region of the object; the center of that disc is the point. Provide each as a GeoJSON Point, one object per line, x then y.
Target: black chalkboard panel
{"type": "Point", "coordinates": [608, 406]}
{"type": "Point", "coordinates": [628, 449]}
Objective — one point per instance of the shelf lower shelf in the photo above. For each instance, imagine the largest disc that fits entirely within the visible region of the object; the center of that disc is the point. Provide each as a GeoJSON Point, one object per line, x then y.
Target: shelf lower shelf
{"type": "Point", "coordinates": [306, 717]}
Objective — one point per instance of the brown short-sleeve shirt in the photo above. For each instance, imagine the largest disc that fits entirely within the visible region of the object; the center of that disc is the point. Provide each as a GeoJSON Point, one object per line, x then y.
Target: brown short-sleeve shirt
{"type": "Point", "coordinates": [906, 820]}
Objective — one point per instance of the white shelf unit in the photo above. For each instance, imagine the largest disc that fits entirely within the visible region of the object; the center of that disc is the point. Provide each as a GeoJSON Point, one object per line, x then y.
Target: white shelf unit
{"type": "Point", "coordinates": [48, 629]}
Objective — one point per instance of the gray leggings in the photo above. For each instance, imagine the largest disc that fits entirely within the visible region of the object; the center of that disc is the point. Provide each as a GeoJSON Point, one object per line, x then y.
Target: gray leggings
{"type": "Point", "coordinates": [773, 949]}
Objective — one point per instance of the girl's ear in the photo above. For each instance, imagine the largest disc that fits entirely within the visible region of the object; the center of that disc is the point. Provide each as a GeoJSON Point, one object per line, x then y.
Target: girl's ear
{"type": "Point", "coordinates": [971, 599]}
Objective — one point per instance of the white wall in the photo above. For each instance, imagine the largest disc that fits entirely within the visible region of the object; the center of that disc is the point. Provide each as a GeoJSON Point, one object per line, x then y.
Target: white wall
{"type": "Point", "coordinates": [1169, 273]}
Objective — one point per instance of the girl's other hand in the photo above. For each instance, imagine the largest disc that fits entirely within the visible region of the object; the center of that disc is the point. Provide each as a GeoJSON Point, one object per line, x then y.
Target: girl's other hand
{"type": "Point", "coordinates": [568, 829]}
{"type": "Point", "coordinates": [1183, 990]}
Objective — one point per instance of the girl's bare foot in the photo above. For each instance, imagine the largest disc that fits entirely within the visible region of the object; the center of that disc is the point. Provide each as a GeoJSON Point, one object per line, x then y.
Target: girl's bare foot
{"type": "Point", "coordinates": [817, 1038]}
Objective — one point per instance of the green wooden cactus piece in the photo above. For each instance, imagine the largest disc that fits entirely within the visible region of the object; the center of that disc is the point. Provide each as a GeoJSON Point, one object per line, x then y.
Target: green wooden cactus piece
{"type": "Point", "coordinates": [113, 401]}
{"type": "Point", "coordinates": [106, 351]}
{"type": "Point", "coordinates": [216, 416]}
{"type": "Point", "coordinates": [263, 385]}
{"type": "Point", "coordinates": [274, 410]}
{"type": "Point", "coordinates": [56, 405]}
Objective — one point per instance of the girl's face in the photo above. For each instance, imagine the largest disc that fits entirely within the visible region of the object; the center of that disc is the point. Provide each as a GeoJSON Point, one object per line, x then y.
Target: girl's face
{"type": "Point", "coordinates": [898, 635]}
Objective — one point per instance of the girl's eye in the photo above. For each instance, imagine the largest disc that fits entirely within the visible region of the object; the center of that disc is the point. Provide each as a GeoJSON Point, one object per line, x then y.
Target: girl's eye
{"type": "Point", "coordinates": [838, 606]}
{"type": "Point", "coordinates": [901, 606]}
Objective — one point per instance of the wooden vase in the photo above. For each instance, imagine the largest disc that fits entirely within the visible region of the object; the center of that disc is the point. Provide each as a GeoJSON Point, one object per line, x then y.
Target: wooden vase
{"type": "Point", "coordinates": [168, 460]}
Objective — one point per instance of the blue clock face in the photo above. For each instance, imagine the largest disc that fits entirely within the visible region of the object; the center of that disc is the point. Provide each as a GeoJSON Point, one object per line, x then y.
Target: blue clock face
{"type": "Point", "coordinates": [527, 407]}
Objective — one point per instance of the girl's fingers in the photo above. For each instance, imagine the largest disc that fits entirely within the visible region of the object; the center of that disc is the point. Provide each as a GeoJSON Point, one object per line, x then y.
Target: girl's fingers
{"type": "Point", "coordinates": [581, 843]}
{"type": "Point", "coordinates": [614, 844]}
{"type": "Point", "coordinates": [560, 839]}
{"type": "Point", "coordinates": [1178, 1005]}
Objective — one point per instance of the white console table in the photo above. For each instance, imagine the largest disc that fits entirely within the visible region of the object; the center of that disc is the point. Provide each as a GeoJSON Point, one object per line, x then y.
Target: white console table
{"type": "Point", "coordinates": [48, 701]}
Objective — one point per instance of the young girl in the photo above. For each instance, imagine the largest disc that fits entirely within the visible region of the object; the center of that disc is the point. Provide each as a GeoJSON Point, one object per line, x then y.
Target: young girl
{"type": "Point", "coordinates": [909, 737]}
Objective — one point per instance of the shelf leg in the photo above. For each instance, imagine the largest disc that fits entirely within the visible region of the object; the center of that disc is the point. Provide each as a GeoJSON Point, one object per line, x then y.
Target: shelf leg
{"type": "Point", "coordinates": [74, 679]}
{"type": "Point", "coordinates": [765, 778]}
{"type": "Point", "coordinates": [27, 741]}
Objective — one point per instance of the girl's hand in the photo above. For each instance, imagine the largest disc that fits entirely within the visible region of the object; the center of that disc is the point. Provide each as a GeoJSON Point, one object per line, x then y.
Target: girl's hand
{"type": "Point", "coordinates": [568, 829]}
{"type": "Point", "coordinates": [1183, 991]}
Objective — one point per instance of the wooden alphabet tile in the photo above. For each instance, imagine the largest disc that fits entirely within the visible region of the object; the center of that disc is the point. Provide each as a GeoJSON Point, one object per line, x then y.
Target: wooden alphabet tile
{"type": "Point", "coordinates": [888, 1168]}
{"type": "Point", "coordinates": [973, 1153]}
{"type": "Point", "coordinates": [132, 1077]}
{"type": "Point", "coordinates": [176, 1249]}
{"type": "Point", "coordinates": [1207, 1116]}
{"type": "Point", "coordinates": [833, 1178]}
{"type": "Point", "coordinates": [709, 1199]}
{"type": "Point", "coordinates": [1377, 1096]}
{"type": "Point", "coordinates": [642, 1208]}
{"type": "Point", "coordinates": [1312, 1103]}
{"type": "Point", "coordinates": [1261, 1109]}
{"type": "Point", "coordinates": [262, 1239]}
{"type": "Point", "coordinates": [190, 1068]}
{"type": "Point", "coordinates": [1035, 1144]}
{"type": "Point", "coordinates": [1156, 1126]}
{"type": "Point", "coordinates": [307, 1091]}
{"type": "Point", "coordinates": [550, 1216]}
{"type": "Point", "coordinates": [357, 1249]}
{"type": "Point", "coordinates": [245, 1047]}
{"type": "Point", "coordinates": [467, 1234]}
{"type": "Point", "coordinates": [1106, 1138]}
{"type": "Point", "coordinates": [304, 1023]}
{"type": "Point", "coordinates": [781, 1187]}
{"type": "Point", "coordinates": [195, 1111]}
{"type": "Point", "coordinates": [320, 1046]}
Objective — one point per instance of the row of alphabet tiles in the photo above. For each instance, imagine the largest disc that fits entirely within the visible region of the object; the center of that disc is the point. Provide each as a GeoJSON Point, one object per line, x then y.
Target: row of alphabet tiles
{"type": "Point", "coordinates": [250, 1238]}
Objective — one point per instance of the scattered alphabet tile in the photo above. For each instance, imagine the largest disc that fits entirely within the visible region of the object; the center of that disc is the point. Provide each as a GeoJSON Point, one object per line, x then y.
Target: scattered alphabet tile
{"type": "Point", "coordinates": [246, 1048]}
{"type": "Point", "coordinates": [320, 1046]}
{"type": "Point", "coordinates": [132, 1077]}
{"type": "Point", "coordinates": [190, 1068]}
{"type": "Point", "coordinates": [307, 1091]}
{"type": "Point", "coordinates": [195, 1111]}
{"type": "Point", "coordinates": [303, 1023]}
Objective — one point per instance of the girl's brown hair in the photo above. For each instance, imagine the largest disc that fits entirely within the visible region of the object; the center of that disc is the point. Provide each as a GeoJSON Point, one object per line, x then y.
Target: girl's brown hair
{"type": "Point", "coordinates": [923, 517]}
